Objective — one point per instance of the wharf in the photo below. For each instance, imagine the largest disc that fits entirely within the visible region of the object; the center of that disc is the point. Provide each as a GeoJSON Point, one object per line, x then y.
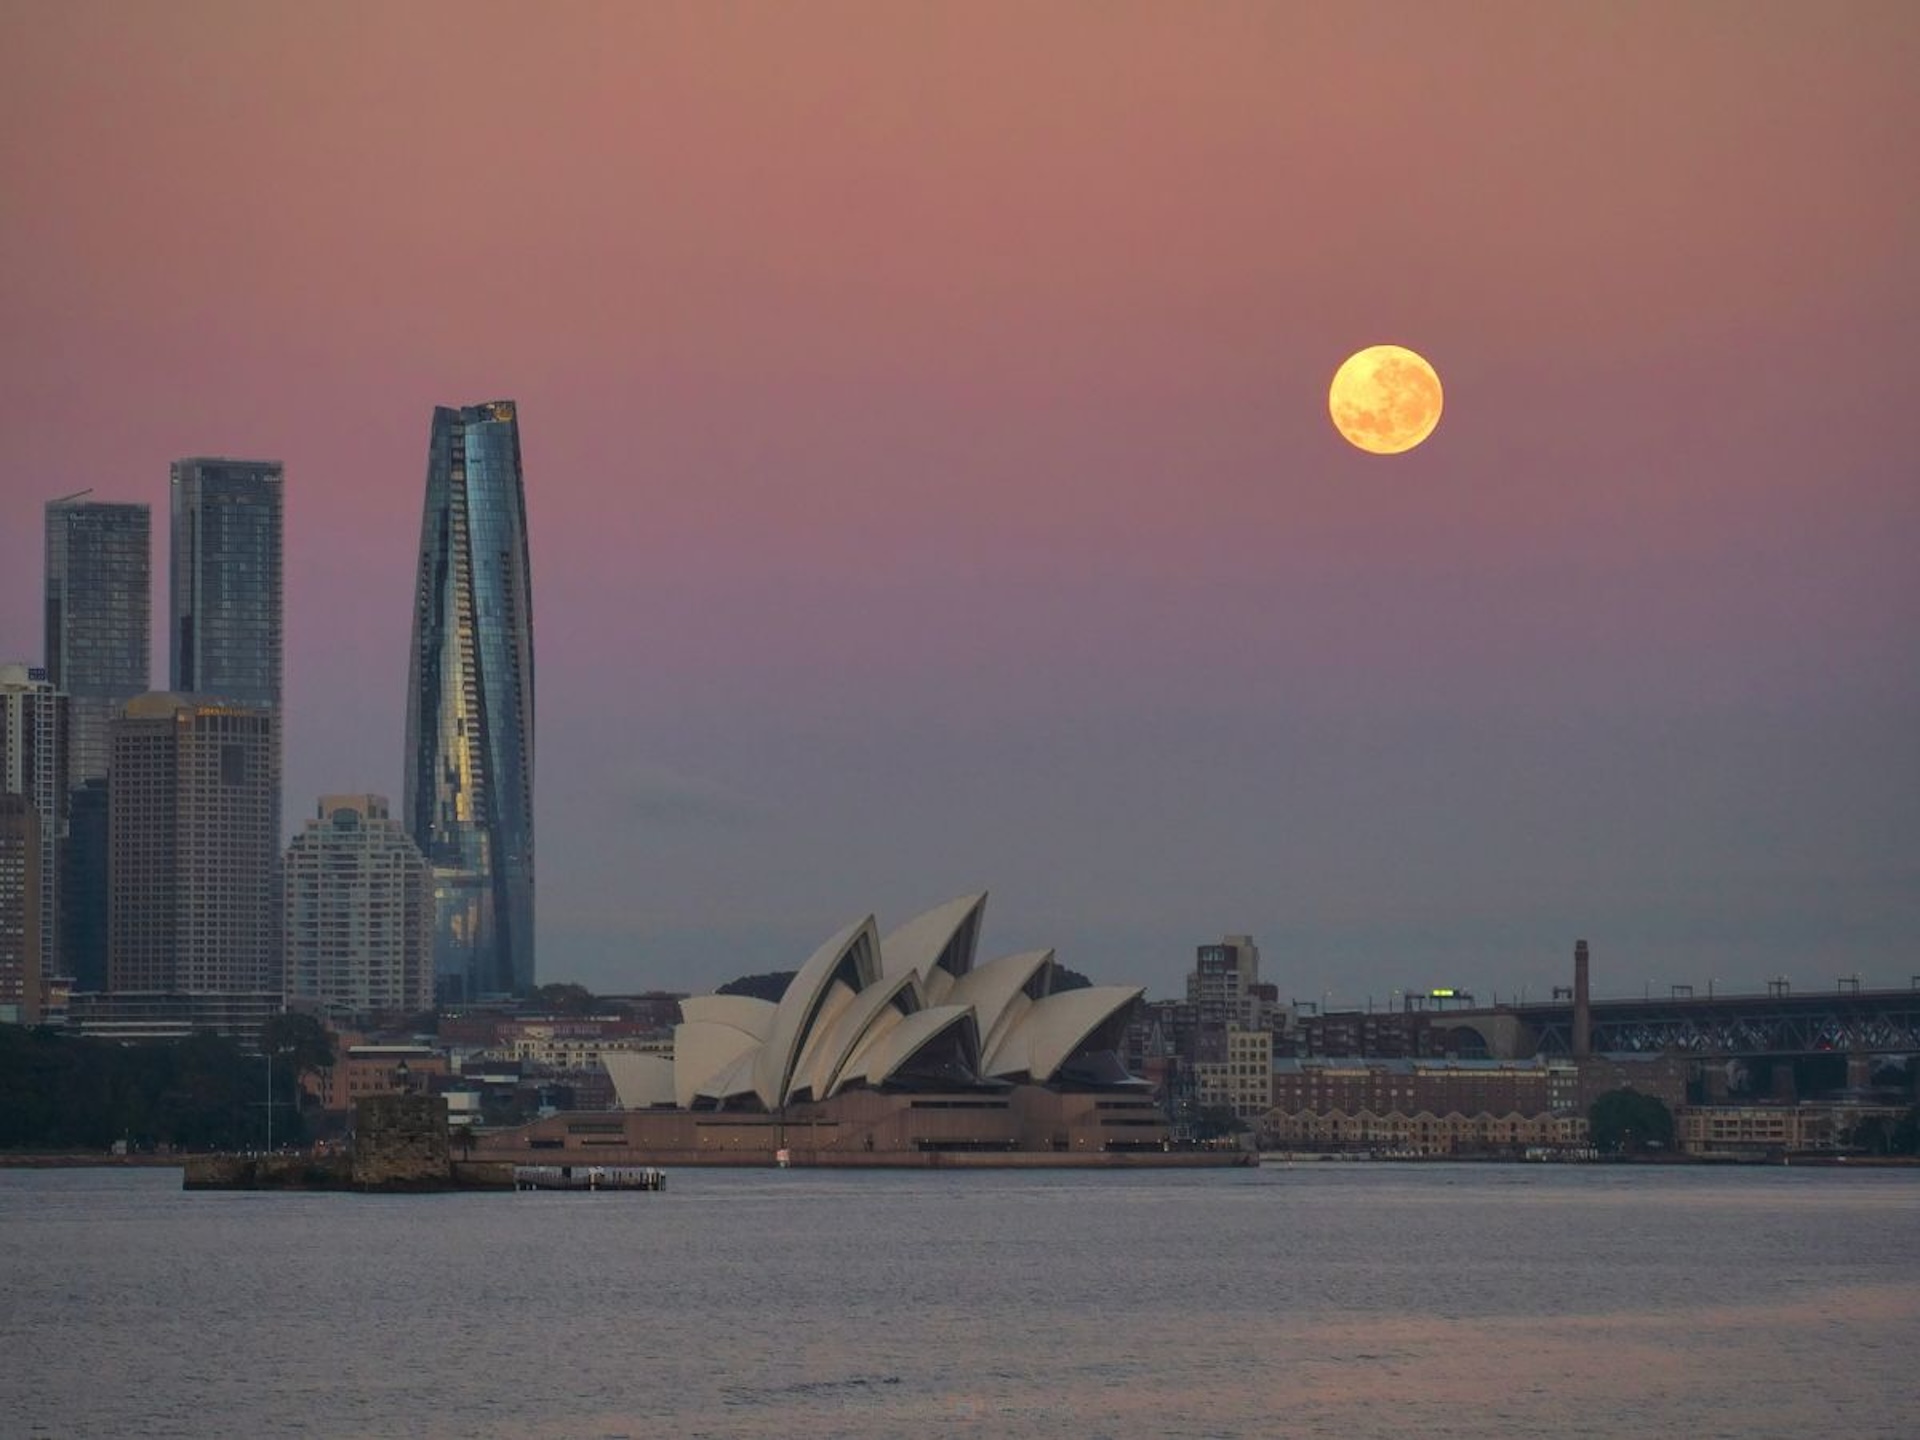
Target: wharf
{"type": "Point", "coordinates": [589, 1177]}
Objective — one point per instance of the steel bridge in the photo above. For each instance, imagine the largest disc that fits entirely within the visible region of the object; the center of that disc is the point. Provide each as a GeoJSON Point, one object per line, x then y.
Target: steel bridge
{"type": "Point", "coordinates": [1859, 1022]}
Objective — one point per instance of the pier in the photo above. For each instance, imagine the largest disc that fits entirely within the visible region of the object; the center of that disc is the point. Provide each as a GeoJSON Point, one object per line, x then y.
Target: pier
{"type": "Point", "coordinates": [589, 1177]}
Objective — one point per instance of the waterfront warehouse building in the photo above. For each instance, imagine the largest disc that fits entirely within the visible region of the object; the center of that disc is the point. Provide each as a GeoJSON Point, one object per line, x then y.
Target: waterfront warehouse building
{"type": "Point", "coordinates": [469, 747]}
{"type": "Point", "coordinates": [358, 921]}
{"type": "Point", "coordinates": [881, 1050]}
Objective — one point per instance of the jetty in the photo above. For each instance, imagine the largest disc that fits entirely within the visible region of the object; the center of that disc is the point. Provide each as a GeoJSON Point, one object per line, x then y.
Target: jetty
{"type": "Point", "coordinates": [589, 1177]}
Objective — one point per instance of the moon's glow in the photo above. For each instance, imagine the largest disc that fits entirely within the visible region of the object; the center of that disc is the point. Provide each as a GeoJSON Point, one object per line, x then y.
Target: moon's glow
{"type": "Point", "coordinates": [1385, 400]}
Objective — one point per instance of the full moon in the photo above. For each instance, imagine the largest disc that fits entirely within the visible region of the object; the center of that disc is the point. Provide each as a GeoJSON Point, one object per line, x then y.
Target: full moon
{"type": "Point", "coordinates": [1385, 400]}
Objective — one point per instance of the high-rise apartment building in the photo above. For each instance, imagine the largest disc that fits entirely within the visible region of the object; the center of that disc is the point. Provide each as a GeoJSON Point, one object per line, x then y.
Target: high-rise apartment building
{"type": "Point", "coordinates": [20, 942]}
{"type": "Point", "coordinates": [359, 912]}
{"type": "Point", "coordinates": [98, 619]}
{"type": "Point", "coordinates": [1222, 980]}
{"type": "Point", "coordinates": [83, 886]}
{"type": "Point", "coordinates": [194, 843]}
{"type": "Point", "coordinates": [469, 766]}
{"type": "Point", "coordinates": [33, 763]}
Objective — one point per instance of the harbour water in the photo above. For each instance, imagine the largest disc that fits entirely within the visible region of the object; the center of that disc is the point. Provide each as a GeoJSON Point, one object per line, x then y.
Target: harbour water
{"type": "Point", "coordinates": [1311, 1300]}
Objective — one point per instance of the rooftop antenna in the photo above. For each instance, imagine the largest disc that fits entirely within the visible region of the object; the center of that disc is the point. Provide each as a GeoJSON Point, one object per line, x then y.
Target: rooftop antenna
{"type": "Point", "coordinates": [62, 499]}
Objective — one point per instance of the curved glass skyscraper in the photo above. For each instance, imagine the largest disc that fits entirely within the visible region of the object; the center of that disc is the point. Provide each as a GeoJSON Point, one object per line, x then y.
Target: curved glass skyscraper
{"type": "Point", "coordinates": [469, 796]}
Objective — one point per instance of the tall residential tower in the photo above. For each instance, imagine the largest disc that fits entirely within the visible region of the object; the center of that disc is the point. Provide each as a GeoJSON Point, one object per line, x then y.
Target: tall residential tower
{"type": "Point", "coordinates": [20, 941]}
{"type": "Point", "coordinates": [469, 766]}
{"type": "Point", "coordinates": [98, 619]}
{"type": "Point", "coordinates": [33, 764]}
{"type": "Point", "coordinates": [359, 913]}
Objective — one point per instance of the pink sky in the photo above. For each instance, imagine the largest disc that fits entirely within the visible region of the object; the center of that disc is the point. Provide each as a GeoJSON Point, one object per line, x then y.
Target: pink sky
{"type": "Point", "coordinates": [928, 472]}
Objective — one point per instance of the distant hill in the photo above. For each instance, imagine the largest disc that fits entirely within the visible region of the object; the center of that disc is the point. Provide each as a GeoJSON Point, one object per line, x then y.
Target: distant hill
{"type": "Point", "coordinates": [770, 986]}
{"type": "Point", "coordinates": [773, 984]}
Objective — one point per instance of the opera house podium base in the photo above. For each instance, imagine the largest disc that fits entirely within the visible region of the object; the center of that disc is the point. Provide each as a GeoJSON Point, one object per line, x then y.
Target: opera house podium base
{"type": "Point", "coordinates": [1026, 1126]}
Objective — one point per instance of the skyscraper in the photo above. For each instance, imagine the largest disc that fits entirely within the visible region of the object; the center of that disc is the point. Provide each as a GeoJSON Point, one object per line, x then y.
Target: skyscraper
{"type": "Point", "coordinates": [83, 886]}
{"type": "Point", "coordinates": [33, 764]}
{"type": "Point", "coordinates": [225, 587]}
{"type": "Point", "coordinates": [359, 912]}
{"type": "Point", "coordinates": [194, 843]}
{"type": "Point", "coordinates": [98, 619]}
{"type": "Point", "coordinates": [20, 943]}
{"type": "Point", "coordinates": [469, 768]}
{"type": "Point", "coordinates": [225, 628]}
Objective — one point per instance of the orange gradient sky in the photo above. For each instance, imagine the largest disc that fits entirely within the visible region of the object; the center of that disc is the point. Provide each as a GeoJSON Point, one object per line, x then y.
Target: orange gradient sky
{"type": "Point", "coordinates": [928, 468]}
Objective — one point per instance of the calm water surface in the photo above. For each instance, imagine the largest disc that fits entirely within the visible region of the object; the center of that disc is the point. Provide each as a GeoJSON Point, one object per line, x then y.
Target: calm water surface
{"type": "Point", "coordinates": [1315, 1300]}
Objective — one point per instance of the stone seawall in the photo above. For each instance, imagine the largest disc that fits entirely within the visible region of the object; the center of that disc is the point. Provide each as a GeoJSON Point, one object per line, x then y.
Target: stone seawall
{"type": "Point", "coordinates": [334, 1172]}
{"type": "Point", "coordinates": [268, 1172]}
{"type": "Point", "coordinates": [800, 1158]}
{"type": "Point", "coordinates": [400, 1147]}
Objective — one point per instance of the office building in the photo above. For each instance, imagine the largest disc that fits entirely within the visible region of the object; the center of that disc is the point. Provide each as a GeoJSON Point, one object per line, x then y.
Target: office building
{"type": "Point", "coordinates": [20, 942]}
{"type": "Point", "coordinates": [193, 849]}
{"type": "Point", "coordinates": [33, 763]}
{"type": "Point", "coordinates": [358, 915]}
{"type": "Point", "coordinates": [225, 617]}
{"type": "Point", "coordinates": [469, 746]}
{"type": "Point", "coordinates": [225, 630]}
{"type": "Point", "coordinates": [98, 619]}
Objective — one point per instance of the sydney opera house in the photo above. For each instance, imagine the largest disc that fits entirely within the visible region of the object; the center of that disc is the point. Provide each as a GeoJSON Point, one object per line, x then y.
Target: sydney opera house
{"type": "Point", "coordinates": [902, 1049]}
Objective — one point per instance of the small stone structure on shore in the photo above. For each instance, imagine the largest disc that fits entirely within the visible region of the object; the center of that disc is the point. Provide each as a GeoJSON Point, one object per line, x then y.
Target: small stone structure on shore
{"type": "Point", "coordinates": [400, 1145]}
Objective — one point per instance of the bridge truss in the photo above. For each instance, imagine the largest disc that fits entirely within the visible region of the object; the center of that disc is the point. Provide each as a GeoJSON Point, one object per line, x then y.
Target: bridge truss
{"type": "Point", "coordinates": [1853, 1022]}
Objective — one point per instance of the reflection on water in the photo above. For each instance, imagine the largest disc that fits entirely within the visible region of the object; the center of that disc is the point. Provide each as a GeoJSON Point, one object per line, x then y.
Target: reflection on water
{"type": "Point", "coordinates": [1314, 1300]}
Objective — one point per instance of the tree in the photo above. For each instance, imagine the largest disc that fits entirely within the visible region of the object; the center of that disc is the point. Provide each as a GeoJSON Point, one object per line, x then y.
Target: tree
{"type": "Point", "coordinates": [1873, 1135]}
{"type": "Point", "coordinates": [1217, 1122]}
{"type": "Point", "coordinates": [1879, 1135]}
{"type": "Point", "coordinates": [770, 986]}
{"type": "Point", "coordinates": [298, 1042]}
{"type": "Point", "coordinates": [1626, 1122]}
{"type": "Point", "coordinates": [1905, 1139]}
{"type": "Point", "coordinates": [565, 998]}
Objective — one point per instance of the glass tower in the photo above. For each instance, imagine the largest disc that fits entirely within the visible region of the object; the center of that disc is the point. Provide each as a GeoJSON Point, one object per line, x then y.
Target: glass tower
{"type": "Point", "coordinates": [469, 780]}
{"type": "Point", "coordinates": [225, 581]}
{"type": "Point", "coordinates": [98, 619]}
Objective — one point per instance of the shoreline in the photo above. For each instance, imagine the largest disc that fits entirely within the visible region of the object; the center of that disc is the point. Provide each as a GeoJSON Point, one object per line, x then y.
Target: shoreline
{"type": "Point", "coordinates": [87, 1160]}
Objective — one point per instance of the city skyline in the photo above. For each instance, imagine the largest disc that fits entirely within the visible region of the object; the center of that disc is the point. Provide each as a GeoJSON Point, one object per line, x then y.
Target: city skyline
{"type": "Point", "coordinates": [932, 481]}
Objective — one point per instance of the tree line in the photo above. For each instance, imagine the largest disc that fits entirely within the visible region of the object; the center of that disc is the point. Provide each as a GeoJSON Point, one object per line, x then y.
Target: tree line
{"type": "Point", "coordinates": [69, 1092]}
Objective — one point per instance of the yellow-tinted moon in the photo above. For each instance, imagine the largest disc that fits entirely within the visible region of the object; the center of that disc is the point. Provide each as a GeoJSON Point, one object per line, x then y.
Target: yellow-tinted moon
{"type": "Point", "coordinates": [1385, 400]}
